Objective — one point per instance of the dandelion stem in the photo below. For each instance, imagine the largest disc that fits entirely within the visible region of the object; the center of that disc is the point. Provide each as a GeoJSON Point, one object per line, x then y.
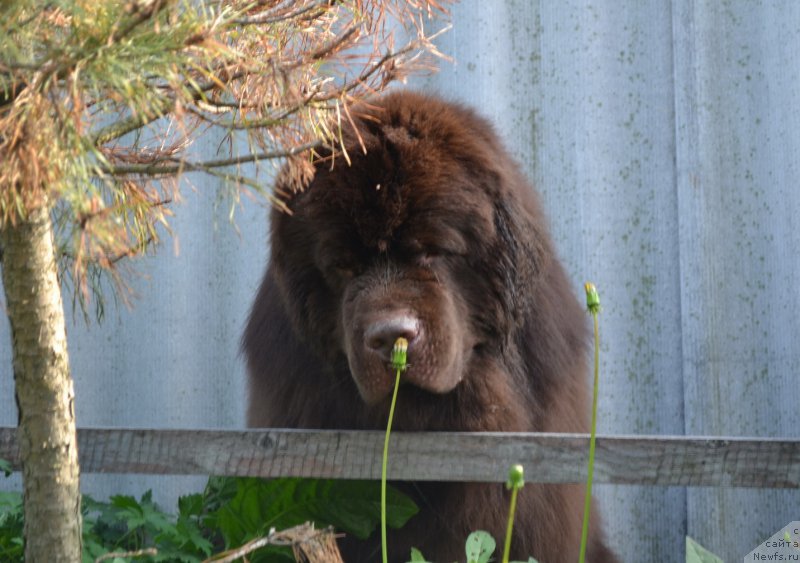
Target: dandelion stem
{"type": "Point", "coordinates": [384, 550]}
{"type": "Point", "coordinates": [593, 303]}
{"type": "Point", "coordinates": [399, 363]}
{"type": "Point", "coordinates": [515, 483]}
{"type": "Point", "coordinates": [510, 526]}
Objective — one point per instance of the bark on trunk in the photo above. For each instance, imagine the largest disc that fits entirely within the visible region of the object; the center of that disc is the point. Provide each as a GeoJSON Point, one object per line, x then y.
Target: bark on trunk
{"type": "Point", "coordinates": [44, 390]}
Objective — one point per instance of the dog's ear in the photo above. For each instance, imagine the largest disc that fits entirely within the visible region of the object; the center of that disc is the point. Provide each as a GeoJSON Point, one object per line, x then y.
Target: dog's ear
{"type": "Point", "coordinates": [521, 251]}
{"type": "Point", "coordinates": [277, 359]}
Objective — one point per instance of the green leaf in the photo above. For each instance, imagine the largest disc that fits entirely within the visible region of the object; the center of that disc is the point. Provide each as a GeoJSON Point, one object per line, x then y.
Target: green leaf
{"type": "Point", "coordinates": [696, 553]}
{"type": "Point", "coordinates": [11, 546]}
{"type": "Point", "coordinates": [92, 550]}
{"type": "Point", "coordinates": [5, 467]}
{"type": "Point", "coordinates": [154, 519]}
{"type": "Point", "coordinates": [125, 524]}
{"type": "Point", "coordinates": [190, 505]}
{"type": "Point", "coordinates": [479, 547]}
{"type": "Point", "coordinates": [416, 556]}
{"type": "Point", "coordinates": [350, 506]}
{"type": "Point", "coordinates": [10, 502]}
{"type": "Point", "coordinates": [258, 505]}
{"type": "Point", "coordinates": [354, 506]}
{"type": "Point", "coordinates": [189, 532]}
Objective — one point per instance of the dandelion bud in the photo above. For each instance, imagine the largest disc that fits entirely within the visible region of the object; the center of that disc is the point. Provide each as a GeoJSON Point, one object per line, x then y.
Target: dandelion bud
{"type": "Point", "coordinates": [592, 298]}
{"type": "Point", "coordinates": [400, 354]}
{"type": "Point", "coordinates": [515, 477]}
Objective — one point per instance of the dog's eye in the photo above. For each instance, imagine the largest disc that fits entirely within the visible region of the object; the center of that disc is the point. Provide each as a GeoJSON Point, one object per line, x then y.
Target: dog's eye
{"type": "Point", "coordinates": [344, 271]}
{"type": "Point", "coordinates": [427, 259]}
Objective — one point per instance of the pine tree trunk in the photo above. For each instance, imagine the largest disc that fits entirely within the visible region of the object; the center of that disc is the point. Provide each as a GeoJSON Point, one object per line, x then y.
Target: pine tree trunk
{"type": "Point", "coordinates": [44, 390]}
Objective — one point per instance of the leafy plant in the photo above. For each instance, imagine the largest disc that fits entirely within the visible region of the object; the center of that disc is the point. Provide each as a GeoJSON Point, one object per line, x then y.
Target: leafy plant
{"type": "Point", "coordinates": [230, 512]}
{"type": "Point", "coordinates": [350, 506]}
{"type": "Point", "coordinates": [478, 548]}
{"type": "Point", "coordinates": [11, 546]}
{"type": "Point", "coordinates": [126, 524]}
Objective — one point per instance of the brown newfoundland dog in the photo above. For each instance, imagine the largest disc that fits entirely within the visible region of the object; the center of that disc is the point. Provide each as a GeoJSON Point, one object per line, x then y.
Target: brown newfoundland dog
{"type": "Point", "coordinates": [432, 234]}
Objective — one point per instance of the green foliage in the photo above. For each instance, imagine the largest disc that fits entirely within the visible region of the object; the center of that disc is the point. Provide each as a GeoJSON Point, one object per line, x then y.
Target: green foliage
{"type": "Point", "coordinates": [696, 553]}
{"type": "Point", "coordinates": [417, 557]}
{"type": "Point", "coordinates": [125, 524]}
{"type": "Point", "coordinates": [479, 547]}
{"type": "Point", "coordinates": [11, 547]}
{"type": "Point", "coordinates": [230, 512]}
{"type": "Point", "coordinates": [349, 506]}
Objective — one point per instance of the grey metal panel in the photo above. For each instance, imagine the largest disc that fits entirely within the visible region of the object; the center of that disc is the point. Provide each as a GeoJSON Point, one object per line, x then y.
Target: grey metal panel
{"type": "Point", "coordinates": [737, 163]}
{"type": "Point", "coordinates": [664, 139]}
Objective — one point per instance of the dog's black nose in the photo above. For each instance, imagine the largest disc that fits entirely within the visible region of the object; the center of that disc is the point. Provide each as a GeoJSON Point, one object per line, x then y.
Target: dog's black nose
{"type": "Point", "coordinates": [381, 334]}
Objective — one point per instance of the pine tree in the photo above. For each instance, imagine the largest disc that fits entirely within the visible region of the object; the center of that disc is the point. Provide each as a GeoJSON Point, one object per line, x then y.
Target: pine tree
{"type": "Point", "coordinates": [99, 103]}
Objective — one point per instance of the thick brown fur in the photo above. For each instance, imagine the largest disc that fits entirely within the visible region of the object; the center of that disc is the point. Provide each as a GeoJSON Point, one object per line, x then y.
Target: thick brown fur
{"type": "Point", "coordinates": [433, 234]}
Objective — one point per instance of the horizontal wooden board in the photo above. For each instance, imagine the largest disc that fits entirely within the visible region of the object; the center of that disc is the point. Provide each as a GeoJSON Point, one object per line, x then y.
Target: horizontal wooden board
{"type": "Point", "coordinates": [435, 456]}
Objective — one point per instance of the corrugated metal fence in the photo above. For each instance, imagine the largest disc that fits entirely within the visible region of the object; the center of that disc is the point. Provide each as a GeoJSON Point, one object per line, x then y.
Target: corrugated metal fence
{"type": "Point", "coordinates": [665, 139]}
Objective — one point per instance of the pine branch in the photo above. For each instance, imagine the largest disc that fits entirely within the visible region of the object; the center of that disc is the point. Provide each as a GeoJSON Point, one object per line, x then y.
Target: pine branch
{"type": "Point", "coordinates": [273, 17]}
{"type": "Point", "coordinates": [158, 169]}
{"type": "Point", "coordinates": [143, 12]}
{"type": "Point", "coordinates": [132, 123]}
{"type": "Point", "coordinates": [135, 122]}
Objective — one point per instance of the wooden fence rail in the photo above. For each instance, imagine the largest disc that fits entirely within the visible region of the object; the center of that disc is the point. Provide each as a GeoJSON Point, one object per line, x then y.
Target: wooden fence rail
{"type": "Point", "coordinates": [436, 456]}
